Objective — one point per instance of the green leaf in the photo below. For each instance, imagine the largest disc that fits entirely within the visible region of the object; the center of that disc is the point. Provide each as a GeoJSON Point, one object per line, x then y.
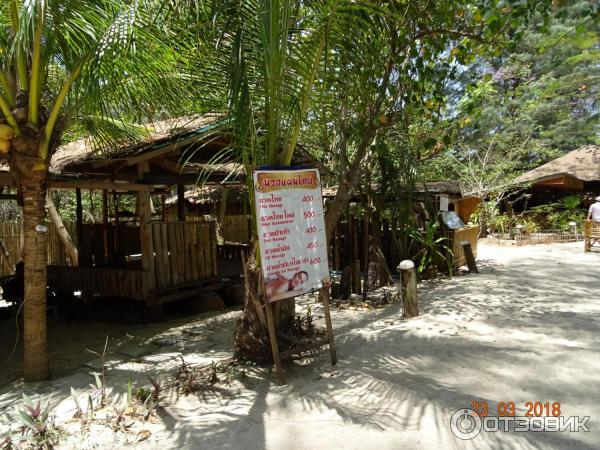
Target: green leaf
{"type": "Point", "coordinates": [26, 420]}
{"type": "Point", "coordinates": [494, 24]}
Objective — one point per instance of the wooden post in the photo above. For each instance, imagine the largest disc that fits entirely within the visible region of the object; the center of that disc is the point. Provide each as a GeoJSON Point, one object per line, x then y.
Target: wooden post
{"type": "Point", "coordinates": [92, 208]}
{"type": "Point", "coordinates": [163, 205]}
{"type": "Point", "coordinates": [107, 247]}
{"type": "Point", "coordinates": [78, 215]}
{"type": "Point", "coordinates": [21, 238]}
{"type": "Point", "coordinates": [468, 252]}
{"type": "Point", "coordinates": [356, 277]}
{"type": "Point", "coordinates": [146, 242]}
{"type": "Point", "coordinates": [355, 239]}
{"type": "Point", "coordinates": [274, 344]}
{"type": "Point", "coordinates": [346, 283]}
{"type": "Point", "coordinates": [104, 206]}
{"type": "Point", "coordinates": [365, 265]}
{"type": "Point", "coordinates": [223, 205]}
{"type": "Point", "coordinates": [181, 202]}
{"type": "Point", "coordinates": [116, 244]}
{"type": "Point", "coordinates": [325, 298]}
{"type": "Point", "coordinates": [587, 239]}
{"type": "Point", "coordinates": [408, 281]}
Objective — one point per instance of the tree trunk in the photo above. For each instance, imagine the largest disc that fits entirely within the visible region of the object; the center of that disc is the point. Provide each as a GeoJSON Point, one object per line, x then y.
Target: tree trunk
{"type": "Point", "coordinates": [251, 339]}
{"type": "Point", "coordinates": [62, 232]}
{"type": "Point", "coordinates": [36, 365]}
{"type": "Point", "coordinates": [31, 174]}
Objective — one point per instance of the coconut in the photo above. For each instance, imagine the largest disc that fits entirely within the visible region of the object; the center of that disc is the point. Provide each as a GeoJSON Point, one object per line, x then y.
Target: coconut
{"type": "Point", "coordinates": [4, 146]}
{"type": "Point", "coordinates": [6, 132]}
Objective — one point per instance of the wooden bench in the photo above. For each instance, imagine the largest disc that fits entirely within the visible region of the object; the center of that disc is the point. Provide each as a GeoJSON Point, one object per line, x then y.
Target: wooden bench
{"type": "Point", "coordinates": [591, 235]}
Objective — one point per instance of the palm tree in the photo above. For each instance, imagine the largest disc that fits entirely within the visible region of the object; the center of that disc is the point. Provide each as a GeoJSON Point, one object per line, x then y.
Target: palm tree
{"type": "Point", "coordinates": [265, 58]}
{"type": "Point", "coordinates": [75, 67]}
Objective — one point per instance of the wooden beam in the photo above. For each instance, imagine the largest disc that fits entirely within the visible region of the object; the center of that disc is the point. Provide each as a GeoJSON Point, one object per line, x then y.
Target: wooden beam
{"type": "Point", "coordinates": [170, 179]}
{"type": "Point", "coordinates": [168, 165]}
{"type": "Point", "coordinates": [89, 184]}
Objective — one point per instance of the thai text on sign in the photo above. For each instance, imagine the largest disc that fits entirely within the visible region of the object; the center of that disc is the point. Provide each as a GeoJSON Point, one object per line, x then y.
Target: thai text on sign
{"type": "Point", "coordinates": [291, 231]}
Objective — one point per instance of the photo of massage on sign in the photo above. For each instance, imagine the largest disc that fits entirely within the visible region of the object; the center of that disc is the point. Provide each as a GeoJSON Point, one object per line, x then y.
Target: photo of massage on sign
{"type": "Point", "coordinates": [291, 232]}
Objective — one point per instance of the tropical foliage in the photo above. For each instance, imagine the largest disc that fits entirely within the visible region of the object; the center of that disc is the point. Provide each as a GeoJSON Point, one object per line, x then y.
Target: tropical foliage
{"type": "Point", "coordinates": [69, 68]}
{"type": "Point", "coordinates": [433, 249]}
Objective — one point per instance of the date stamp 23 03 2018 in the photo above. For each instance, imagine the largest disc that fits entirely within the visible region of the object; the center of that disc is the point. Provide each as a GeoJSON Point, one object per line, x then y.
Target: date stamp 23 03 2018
{"type": "Point", "coordinates": [509, 409]}
{"type": "Point", "coordinates": [509, 416]}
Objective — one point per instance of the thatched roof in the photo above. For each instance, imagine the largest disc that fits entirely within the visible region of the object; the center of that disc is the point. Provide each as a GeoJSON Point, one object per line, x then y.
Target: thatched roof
{"type": "Point", "coordinates": [210, 193]}
{"type": "Point", "coordinates": [160, 133]}
{"type": "Point", "coordinates": [583, 164]}
{"type": "Point", "coordinates": [183, 151]}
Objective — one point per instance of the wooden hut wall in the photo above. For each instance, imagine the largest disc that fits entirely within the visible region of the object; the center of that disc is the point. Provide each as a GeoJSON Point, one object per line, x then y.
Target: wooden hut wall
{"type": "Point", "coordinates": [466, 207]}
{"type": "Point", "coordinates": [348, 243]}
{"type": "Point", "coordinates": [184, 252]}
{"type": "Point", "coordinates": [236, 228]}
{"type": "Point", "coordinates": [10, 236]}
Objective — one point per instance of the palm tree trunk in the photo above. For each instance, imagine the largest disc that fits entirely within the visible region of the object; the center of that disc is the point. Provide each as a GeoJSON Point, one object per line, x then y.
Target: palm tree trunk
{"type": "Point", "coordinates": [251, 338]}
{"type": "Point", "coordinates": [31, 174]}
{"type": "Point", "coordinates": [36, 365]}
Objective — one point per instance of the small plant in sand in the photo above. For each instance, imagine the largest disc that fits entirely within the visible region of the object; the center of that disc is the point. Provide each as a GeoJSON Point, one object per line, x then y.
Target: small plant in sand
{"type": "Point", "coordinates": [100, 388]}
{"type": "Point", "coordinates": [187, 381]}
{"type": "Point", "coordinates": [38, 430]}
{"type": "Point", "coordinates": [303, 324]}
{"type": "Point", "coordinates": [144, 400]}
{"type": "Point", "coordinates": [303, 330]}
{"type": "Point", "coordinates": [190, 379]}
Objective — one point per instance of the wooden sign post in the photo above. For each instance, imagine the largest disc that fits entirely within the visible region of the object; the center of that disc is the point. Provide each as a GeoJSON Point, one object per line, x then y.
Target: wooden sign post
{"type": "Point", "coordinates": [293, 247]}
{"type": "Point", "coordinates": [277, 356]}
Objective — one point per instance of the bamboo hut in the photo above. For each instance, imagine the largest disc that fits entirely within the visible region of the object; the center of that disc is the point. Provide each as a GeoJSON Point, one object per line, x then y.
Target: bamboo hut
{"type": "Point", "coordinates": [575, 173]}
{"type": "Point", "coordinates": [146, 257]}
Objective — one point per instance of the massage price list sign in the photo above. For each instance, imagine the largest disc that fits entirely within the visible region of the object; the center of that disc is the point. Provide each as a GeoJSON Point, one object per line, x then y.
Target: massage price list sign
{"type": "Point", "coordinates": [291, 231]}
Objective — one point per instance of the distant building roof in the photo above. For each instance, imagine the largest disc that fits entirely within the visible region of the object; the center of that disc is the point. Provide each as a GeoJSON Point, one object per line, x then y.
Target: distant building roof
{"type": "Point", "coordinates": [583, 164]}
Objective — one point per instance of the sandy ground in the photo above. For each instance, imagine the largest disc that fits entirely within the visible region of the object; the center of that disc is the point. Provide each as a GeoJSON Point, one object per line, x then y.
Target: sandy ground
{"type": "Point", "coordinates": [526, 328]}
